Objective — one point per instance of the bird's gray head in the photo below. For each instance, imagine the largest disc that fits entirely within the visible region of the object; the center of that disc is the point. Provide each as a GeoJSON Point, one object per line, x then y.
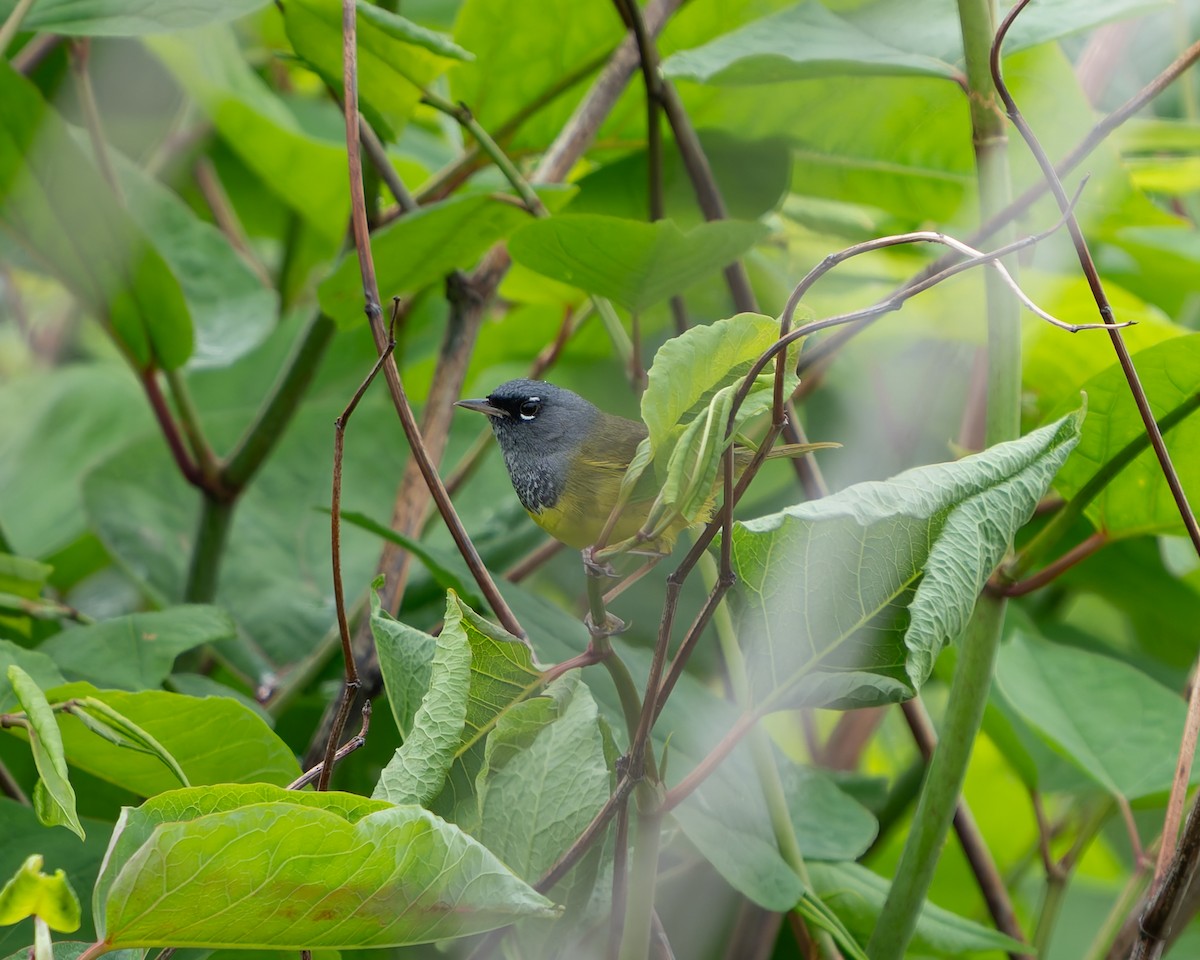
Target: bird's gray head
{"type": "Point", "coordinates": [540, 428]}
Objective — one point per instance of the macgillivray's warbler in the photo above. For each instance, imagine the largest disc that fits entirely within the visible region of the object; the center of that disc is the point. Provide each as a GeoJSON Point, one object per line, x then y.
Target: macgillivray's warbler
{"type": "Point", "coordinates": [566, 458]}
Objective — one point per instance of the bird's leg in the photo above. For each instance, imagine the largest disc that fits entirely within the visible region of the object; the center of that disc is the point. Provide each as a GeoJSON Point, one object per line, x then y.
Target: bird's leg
{"type": "Point", "coordinates": [597, 568]}
{"type": "Point", "coordinates": [600, 623]}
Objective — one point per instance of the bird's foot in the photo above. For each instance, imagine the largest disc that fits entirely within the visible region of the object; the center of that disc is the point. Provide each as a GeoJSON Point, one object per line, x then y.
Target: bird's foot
{"type": "Point", "coordinates": [597, 568]}
{"type": "Point", "coordinates": [612, 626]}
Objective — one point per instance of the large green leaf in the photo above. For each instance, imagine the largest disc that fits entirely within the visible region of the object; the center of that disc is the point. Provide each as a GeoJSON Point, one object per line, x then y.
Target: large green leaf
{"type": "Point", "coordinates": [405, 662]}
{"type": "Point", "coordinates": [422, 247]}
{"type": "Point", "coordinates": [214, 740]}
{"type": "Point", "coordinates": [391, 877]}
{"type": "Point", "coordinates": [232, 310]}
{"type": "Point", "coordinates": [418, 769]}
{"type": "Point", "coordinates": [1110, 720]}
{"type": "Point", "coordinates": [397, 59]}
{"type": "Point", "coordinates": [856, 895]}
{"type": "Point", "coordinates": [807, 40]}
{"type": "Point", "coordinates": [137, 651]}
{"type": "Point", "coordinates": [53, 798]}
{"type": "Point", "coordinates": [873, 581]}
{"type": "Point", "coordinates": [501, 673]}
{"type": "Point", "coordinates": [78, 415]}
{"type": "Point", "coordinates": [306, 173]}
{"type": "Point", "coordinates": [513, 39]}
{"type": "Point", "coordinates": [56, 204]}
{"type": "Point", "coordinates": [1137, 500]}
{"type": "Point", "coordinates": [118, 18]}
{"type": "Point", "coordinates": [636, 264]}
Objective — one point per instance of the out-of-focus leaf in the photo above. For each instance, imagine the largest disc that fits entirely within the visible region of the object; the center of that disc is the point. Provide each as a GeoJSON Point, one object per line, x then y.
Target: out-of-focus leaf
{"type": "Point", "coordinates": [804, 41]}
{"type": "Point", "coordinates": [636, 264]}
{"type": "Point", "coordinates": [77, 414]}
{"type": "Point", "coordinates": [1112, 721]}
{"type": "Point", "coordinates": [392, 877]}
{"type": "Point", "coordinates": [53, 797]}
{"type": "Point", "coordinates": [117, 18]}
{"type": "Point", "coordinates": [397, 59]}
{"type": "Point", "coordinates": [30, 893]}
{"type": "Point", "coordinates": [21, 582]}
{"type": "Point", "coordinates": [136, 652]}
{"type": "Point", "coordinates": [1137, 500]}
{"type": "Point", "coordinates": [306, 173]}
{"type": "Point", "coordinates": [55, 203]}
{"type": "Point", "coordinates": [420, 248]}
{"type": "Point", "coordinates": [856, 895]}
{"type": "Point", "coordinates": [879, 577]}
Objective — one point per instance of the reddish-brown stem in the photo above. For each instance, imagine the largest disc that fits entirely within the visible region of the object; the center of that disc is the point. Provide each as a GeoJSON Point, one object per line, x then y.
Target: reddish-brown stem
{"type": "Point", "coordinates": [170, 429]}
{"type": "Point", "coordinates": [356, 742]}
{"type": "Point", "coordinates": [1050, 572]}
{"type": "Point", "coordinates": [682, 790]}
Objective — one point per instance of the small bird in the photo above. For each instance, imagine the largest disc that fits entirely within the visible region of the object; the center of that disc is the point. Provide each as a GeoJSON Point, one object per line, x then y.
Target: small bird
{"type": "Point", "coordinates": [566, 458]}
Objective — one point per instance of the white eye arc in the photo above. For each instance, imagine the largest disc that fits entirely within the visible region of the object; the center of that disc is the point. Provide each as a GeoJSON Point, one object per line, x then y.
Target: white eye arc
{"type": "Point", "coordinates": [529, 409]}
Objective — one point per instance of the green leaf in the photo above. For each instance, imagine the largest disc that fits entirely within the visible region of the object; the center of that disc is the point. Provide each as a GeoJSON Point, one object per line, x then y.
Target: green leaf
{"type": "Point", "coordinates": [537, 49]}
{"type": "Point", "coordinates": [214, 740]}
{"type": "Point", "coordinates": [635, 264]}
{"type": "Point", "coordinates": [55, 203]}
{"type": "Point", "coordinates": [117, 18]}
{"type": "Point", "coordinates": [391, 877]}
{"type": "Point", "coordinates": [802, 42]}
{"type": "Point", "coordinates": [232, 310]}
{"type": "Point", "coordinates": [137, 651]}
{"type": "Point", "coordinates": [405, 662]}
{"type": "Point", "coordinates": [304, 172]}
{"type": "Point", "coordinates": [397, 59]}
{"type": "Point", "coordinates": [879, 577]}
{"type": "Point", "coordinates": [53, 797]}
{"type": "Point", "coordinates": [420, 248]}
{"type": "Point", "coordinates": [21, 583]}
{"type": "Point", "coordinates": [1137, 500]}
{"type": "Point", "coordinates": [21, 836]}
{"type": "Point", "coordinates": [30, 893]}
{"type": "Point", "coordinates": [1110, 720]}
{"type": "Point", "coordinates": [418, 769]}
{"type": "Point", "coordinates": [753, 178]}
{"type": "Point", "coordinates": [76, 414]}
{"type": "Point", "coordinates": [856, 895]}
{"type": "Point", "coordinates": [33, 663]}
{"type": "Point", "coordinates": [688, 369]}
{"type": "Point", "coordinates": [501, 674]}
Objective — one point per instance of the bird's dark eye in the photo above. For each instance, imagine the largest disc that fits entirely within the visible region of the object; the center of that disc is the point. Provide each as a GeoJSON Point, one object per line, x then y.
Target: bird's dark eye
{"type": "Point", "coordinates": [530, 408]}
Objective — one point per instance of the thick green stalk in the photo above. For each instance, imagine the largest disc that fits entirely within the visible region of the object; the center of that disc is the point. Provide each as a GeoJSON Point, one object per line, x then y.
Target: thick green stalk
{"type": "Point", "coordinates": [643, 874]}
{"type": "Point", "coordinates": [211, 533]}
{"type": "Point", "coordinates": [979, 645]}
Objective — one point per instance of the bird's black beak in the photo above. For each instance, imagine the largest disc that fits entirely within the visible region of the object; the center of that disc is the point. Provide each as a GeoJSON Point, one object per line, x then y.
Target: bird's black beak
{"type": "Point", "coordinates": [483, 406]}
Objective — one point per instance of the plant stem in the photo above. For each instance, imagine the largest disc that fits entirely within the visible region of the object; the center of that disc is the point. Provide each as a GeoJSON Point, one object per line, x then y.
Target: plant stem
{"type": "Point", "coordinates": [639, 912]}
{"type": "Point", "coordinates": [12, 24]}
{"type": "Point", "coordinates": [939, 798]}
{"type": "Point", "coordinates": [189, 419]}
{"type": "Point", "coordinates": [211, 533]}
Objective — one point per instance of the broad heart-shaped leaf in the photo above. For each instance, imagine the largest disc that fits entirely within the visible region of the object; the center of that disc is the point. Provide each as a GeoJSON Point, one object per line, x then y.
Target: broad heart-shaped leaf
{"type": "Point", "coordinates": [136, 652]}
{"type": "Point", "coordinates": [117, 18]}
{"type": "Point", "coordinates": [856, 895]}
{"type": "Point", "coordinates": [1110, 720]}
{"type": "Point", "coordinates": [346, 877]}
{"type": "Point", "coordinates": [31, 893]}
{"type": "Point", "coordinates": [306, 173]}
{"type": "Point", "coordinates": [478, 672]}
{"type": "Point", "coordinates": [53, 799]}
{"type": "Point", "coordinates": [877, 578]}
{"type": "Point", "coordinates": [803, 41]}
{"type": "Point", "coordinates": [56, 204]}
{"type": "Point", "coordinates": [420, 248]}
{"type": "Point", "coordinates": [1137, 499]}
{"type": "Point", "coordinates": [214, 740]}
{"type": "Point", "coordinates": [405, 662]}
{"type": "Point", "coordinates": [35, 664]}
{"type": "Point", "coordinates": [636, 264]}
{"type": "Point", "coordinates": [396, 58]}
